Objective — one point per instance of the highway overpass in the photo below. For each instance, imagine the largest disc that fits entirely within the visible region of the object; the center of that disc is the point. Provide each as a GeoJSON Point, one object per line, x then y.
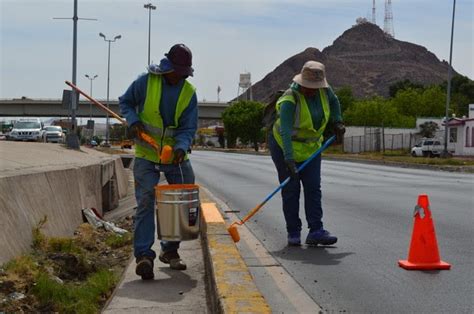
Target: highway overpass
{"type": "Point", "coordinates": [53, 108]}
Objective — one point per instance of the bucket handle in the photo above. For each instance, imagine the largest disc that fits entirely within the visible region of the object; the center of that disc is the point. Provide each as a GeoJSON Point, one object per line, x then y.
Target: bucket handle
{"type": "Point", "coordinates": [181, 170]}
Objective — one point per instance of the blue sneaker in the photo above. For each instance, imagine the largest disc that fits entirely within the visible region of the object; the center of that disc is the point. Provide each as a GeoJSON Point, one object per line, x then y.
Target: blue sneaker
{"type": "Point", "coordinates": [320, 236]}
{"type": "Point", "coordinates": [294, 239]}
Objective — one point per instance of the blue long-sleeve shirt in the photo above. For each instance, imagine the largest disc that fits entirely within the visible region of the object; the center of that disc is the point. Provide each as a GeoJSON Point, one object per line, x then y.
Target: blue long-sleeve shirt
{"type": "Point", "coordinates": [287, 115]}
{"type": "Point", "coordinates": [133, 101]}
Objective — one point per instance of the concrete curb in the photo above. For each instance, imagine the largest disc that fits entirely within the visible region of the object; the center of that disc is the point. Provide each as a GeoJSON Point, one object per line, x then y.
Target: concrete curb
{"type": "Point", "coordinates": [231, 287]}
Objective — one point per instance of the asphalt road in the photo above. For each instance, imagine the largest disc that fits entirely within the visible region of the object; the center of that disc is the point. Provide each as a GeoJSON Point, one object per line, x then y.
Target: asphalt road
{"type": "Point", "coordinates": [370, 209]}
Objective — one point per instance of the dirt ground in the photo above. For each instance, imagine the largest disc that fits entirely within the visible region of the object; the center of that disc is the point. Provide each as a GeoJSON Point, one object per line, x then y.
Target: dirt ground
{"type": "Point", "coordinates": [83, 269]}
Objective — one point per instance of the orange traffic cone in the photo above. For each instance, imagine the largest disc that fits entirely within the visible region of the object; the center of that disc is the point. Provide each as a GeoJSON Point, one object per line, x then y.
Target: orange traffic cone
{"type": "Point", "coordinates": [423, 252]}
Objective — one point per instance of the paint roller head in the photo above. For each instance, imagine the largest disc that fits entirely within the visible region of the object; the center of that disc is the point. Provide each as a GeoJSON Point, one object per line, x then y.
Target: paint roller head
{"type": "Point", "coordinates": [234, 233]}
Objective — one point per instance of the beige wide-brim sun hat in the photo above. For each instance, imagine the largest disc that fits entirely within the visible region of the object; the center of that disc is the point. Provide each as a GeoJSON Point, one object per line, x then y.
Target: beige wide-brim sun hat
{"type": "Point", "coordinates": [313, 75]}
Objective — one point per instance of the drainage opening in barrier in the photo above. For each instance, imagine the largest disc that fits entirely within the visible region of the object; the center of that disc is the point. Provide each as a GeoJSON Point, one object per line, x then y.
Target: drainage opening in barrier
{"type": "Point", "coordinates": [126, 161]}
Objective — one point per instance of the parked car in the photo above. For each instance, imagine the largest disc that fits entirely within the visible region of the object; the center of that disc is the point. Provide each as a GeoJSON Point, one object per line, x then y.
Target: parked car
{"type": "Point", "coordinates": [430, 147]}
{"type": "Point", "coordinates": [26, 130]}
{"type": "Point", "coordinates": [53, 134]}
{"type": "Point", "coordinates": [126, 144]}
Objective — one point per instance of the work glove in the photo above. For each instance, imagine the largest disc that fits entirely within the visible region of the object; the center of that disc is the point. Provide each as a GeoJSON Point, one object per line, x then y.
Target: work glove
{"type": "Point", "coordinates": [179, 155]}
{"type": "Point", "coordinates": [135, 129]}
{"type": "Point", "coordinates": [291, 165]}
{"type": "Point", "coordinates": [339, 130]}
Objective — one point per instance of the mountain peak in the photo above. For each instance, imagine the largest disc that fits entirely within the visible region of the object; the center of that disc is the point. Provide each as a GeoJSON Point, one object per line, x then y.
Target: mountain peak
{"type": "Point", "coordinates": [363, 58]}
{"type": "Point", "coordinates": [363, 37]}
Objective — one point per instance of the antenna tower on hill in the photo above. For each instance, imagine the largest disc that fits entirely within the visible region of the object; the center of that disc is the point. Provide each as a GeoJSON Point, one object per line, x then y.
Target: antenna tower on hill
{"type": "Point", "coordinates": [373, 13]}
{"type": "Point", "coordinates": [388, 21]}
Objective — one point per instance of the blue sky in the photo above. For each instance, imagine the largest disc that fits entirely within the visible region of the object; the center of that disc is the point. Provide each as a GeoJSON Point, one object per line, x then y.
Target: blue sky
{"type": "Point", "coordinates": [227, 37]}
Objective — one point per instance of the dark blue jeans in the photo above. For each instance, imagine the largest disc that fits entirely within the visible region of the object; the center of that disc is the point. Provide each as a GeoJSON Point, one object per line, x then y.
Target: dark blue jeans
{"type": "Point", "coordinates": [147, 176]}
{"type": "Point", "coordinates": [311, 179]}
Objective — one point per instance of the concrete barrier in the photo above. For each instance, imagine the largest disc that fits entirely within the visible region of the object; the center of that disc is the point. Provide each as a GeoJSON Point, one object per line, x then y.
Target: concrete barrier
{"type": "Point", "coordinates": [33, 185]}
{"type": "Point", "coordinates": [231, 286]}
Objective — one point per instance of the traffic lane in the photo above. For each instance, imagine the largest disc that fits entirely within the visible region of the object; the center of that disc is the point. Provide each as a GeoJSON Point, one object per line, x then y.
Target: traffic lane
{"type": "Point", "coordinates": [371, 241]}
{"type": "Point", "coordinates": [372, 216]}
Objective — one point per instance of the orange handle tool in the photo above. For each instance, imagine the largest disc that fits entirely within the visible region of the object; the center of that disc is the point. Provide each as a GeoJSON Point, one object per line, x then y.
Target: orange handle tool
{"type": "Point", "coordinates": [95, 102]}
{"type": "Point", "coordinates": [167, 150]}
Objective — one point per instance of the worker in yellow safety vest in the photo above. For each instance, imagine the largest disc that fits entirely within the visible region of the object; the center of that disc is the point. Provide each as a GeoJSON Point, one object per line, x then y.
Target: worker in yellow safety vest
{"type": "Point", "coordinates": [304, 112]}
{"type": "Point", "coordinates": [163, 104]}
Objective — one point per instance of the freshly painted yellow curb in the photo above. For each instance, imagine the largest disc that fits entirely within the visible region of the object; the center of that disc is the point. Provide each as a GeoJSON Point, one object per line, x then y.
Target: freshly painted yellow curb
{"type": "Point", "coordinates": [231, 284]}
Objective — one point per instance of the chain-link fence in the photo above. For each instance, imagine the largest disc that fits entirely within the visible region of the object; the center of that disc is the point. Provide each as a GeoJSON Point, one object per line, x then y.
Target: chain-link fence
{"type": "Point", "coordinates": [375, 140]}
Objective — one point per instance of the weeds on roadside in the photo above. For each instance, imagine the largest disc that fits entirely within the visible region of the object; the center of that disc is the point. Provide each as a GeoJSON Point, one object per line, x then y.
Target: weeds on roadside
{"type": "Point", "coordinates": [22, 267]}
{"type": "Point", "coordinates": [39, 239]}
{"type": "Point", "coordinates": [117, 240]}
{"type": "Point", "coordinates": [71, 298]}
{"type": "Point", "coordinates": [66, 275]}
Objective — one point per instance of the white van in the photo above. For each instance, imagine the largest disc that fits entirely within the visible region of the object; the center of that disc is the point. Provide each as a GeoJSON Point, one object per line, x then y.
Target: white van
{"type": "Point", "coordinates": [27, 130]}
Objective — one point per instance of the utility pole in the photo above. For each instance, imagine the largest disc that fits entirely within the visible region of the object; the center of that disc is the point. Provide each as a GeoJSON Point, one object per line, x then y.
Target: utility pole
{"type": "Point", "coordinates": [150, 7]}
{"type": "Point", "coordinates": [445, 153]}
{"type": "Point", "coordinates": [72, 140]}
{"type": "Point", "coordinates": [108, 87]}
{"type": "Point", "coordinates": [91, 78]}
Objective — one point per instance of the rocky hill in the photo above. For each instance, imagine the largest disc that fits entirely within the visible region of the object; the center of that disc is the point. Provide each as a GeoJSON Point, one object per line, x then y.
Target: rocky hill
{"type": "Point", "coordinates": [364, 58]}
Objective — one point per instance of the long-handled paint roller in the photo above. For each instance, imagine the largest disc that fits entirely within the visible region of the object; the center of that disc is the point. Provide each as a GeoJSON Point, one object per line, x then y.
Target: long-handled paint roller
{"type": "Point", "coordinates": [165, 153]}
{"type": "Point", "coordinates": [234, 232]}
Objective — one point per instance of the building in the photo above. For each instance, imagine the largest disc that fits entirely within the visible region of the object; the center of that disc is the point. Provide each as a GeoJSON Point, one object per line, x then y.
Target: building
{"type": "Point", "coordinates": [461, 132]}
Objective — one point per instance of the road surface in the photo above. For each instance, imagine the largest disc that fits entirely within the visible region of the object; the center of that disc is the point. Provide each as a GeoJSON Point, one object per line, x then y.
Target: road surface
{"type": "Point", "coordinates": [370, 208]}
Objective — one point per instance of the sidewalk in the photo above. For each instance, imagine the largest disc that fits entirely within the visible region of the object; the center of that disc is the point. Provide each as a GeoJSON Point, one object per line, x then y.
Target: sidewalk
{"type": "Point", "coordinates": [216, 278]}
{"type": "Point", "coordinates": [170, 292]}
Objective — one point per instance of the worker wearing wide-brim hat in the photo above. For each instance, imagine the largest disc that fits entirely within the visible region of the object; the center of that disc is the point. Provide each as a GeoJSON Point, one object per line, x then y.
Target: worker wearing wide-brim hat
{"type": "Point", "coordinates": [163, 104]}
{"type": "Point", "coordinates": [304, 112]}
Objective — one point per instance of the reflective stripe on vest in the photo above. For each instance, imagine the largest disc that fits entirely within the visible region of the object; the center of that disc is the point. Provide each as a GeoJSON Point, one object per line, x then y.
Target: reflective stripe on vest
{"type": "Point", "coordinates": [152, 120]}
{"type": "Point", "coordinates": [305, 139]}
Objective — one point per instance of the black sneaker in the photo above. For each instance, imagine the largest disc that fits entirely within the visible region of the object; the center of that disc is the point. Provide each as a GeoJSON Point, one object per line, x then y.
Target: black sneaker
{"type": "Point", "coordinates": [172, 258]}
{"type": "Point", "coordinates": [144, 267]}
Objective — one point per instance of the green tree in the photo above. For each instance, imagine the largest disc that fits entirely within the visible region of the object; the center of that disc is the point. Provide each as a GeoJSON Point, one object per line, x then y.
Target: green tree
{"type": "Point", "coordinates": [462, 94]}
{"type": "Point", "coordinates": [429, 102]}
{"type": "Point", "coordinates": [403, 85]}
{"type": "Point", "coordinates": [243, 120]}
{"type": "Point", "coordinates": [376, 112]}
{"type": "Point", "coordinates": [408, 102]}
{"type": "Point", "coordinates": [428, 129]}
{"type": "Point", "coordinates": [346, 98]}
{"type": "Point", "coordinates": [433, 102]}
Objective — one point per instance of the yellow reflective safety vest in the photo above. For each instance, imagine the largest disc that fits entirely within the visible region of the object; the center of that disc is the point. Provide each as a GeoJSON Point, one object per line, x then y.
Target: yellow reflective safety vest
{"type": "Point", "coordinates": [151, 118]}
{"type": "Point", "coordinates": [305, 139]}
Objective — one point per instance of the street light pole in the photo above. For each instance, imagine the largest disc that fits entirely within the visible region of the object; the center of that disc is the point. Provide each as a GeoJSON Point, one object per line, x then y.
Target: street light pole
{"type": "Point", "coordinates": [91, 78]}
{"type": "Point", "coordinates": [108, 86]}
{"type": "Point", "coordinates": [72, 140]}
{"type": "Point", "coordinates": [150, 7]}
{"type": "Point", "coordinates": [445, 153]}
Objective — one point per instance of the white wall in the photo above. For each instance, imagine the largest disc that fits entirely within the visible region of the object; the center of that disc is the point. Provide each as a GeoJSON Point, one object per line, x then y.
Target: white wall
{"type": "Point", "coordinates": [359, 131]}
{"type": "Point", "coordinates": [461, 148]}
